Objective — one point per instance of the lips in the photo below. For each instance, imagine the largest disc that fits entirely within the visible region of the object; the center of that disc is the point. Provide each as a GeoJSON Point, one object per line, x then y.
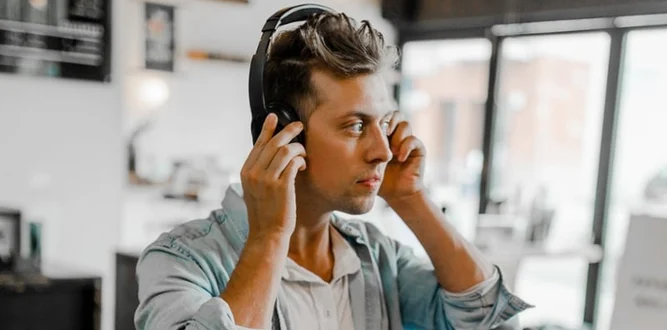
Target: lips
{"type": "Point", "coordinates": [371, 181]}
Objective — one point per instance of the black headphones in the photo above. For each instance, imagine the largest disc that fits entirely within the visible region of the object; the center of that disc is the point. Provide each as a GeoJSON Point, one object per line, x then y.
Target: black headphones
{"type": "Point", "coordinates": [258, 104]}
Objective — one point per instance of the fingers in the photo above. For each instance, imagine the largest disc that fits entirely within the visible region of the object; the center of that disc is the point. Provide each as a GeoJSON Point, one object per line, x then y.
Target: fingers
{"type": "Point", "coordinates": [411, 146]}
{"type": "Point", "coordinates": [269, 126]}
{"type": "Point", "coordinates": [283, 157]}
{"type": "Point", "coordinates": [402, 132]}
{"type": "Point", "coordinates": [279, 140]}
{"type": "Point", "coordinates": [267, 130]}
{"type": "Point", "coordinates": [401, 140]}
{"type": "Point", "coordinates": [396, 118]}
{"type": "Point", "coordinates": [295, 165]}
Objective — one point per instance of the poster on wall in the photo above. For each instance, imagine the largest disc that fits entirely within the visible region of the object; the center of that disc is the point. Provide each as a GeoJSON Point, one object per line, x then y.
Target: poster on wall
{"type": "Point", "coordinates": [159, 32]}
{"type": "Point", "coordinates": [56, 38]}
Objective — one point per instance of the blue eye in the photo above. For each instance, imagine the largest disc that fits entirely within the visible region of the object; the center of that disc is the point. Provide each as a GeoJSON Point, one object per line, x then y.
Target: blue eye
{"type": "Point", "coordinates": [385, 125]}
{"type": "Point", "coordinates": [357, 127]}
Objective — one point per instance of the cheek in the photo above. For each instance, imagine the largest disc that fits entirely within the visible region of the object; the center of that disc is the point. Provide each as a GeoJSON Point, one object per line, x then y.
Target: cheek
{"type": "Point", "coordinates": [325, 163]}
{"type": "Point", "coordinates": [328, 161]}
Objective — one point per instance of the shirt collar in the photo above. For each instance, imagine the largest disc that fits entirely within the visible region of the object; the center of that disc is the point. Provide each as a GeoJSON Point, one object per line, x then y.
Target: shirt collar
{"type": "Point", "coordinates": [346, 259]}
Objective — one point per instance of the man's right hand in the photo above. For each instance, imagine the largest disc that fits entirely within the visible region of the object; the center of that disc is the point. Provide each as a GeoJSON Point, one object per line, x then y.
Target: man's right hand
{"type": "Point", "coordinates": [268, 191]}
{"type": "Point", "coordinates": [267, 178]}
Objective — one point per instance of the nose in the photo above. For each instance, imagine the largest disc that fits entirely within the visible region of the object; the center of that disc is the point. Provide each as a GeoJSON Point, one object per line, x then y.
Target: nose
{"type": "Point", "coordinates": [378, 150]}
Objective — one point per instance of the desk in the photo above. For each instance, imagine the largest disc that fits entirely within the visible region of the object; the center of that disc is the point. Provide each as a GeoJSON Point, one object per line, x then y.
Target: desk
{"type": "Point", "coordinates": [509, 257]}
{"type": "Point", "coordinates": [55, 298]}
{"type": "Point", "coordinates": [503, 239]}
{"type": "Point", "coordinates": [127, 288]}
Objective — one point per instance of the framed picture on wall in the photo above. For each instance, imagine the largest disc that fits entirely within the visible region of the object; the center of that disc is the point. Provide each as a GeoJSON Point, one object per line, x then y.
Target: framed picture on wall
{"type": "Point", "coordinates": [56, 38]}
{"type": "Point", "coordinates": [159, 33]}
{"type": "Point", "coordinates": [10, 237]}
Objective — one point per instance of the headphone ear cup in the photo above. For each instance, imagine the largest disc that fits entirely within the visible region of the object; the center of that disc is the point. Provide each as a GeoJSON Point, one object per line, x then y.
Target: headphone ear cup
{"type": "Point", "coordinates": [286, 115]}
{"type": "Point", "coordinates": [256, 126]}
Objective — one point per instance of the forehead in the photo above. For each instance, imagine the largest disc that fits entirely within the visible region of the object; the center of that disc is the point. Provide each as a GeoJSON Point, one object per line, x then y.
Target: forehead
{"type": "Point", "coordinates": [367, 93]}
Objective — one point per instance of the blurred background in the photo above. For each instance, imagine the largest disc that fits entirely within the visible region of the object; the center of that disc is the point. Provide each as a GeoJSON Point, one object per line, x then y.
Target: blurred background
{"type": "Point", "coordinates": [544, 122]}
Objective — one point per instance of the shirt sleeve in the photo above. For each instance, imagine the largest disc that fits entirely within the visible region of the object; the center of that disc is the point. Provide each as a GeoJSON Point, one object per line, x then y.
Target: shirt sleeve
{"type": "Point", "coordinates": [482, 288]}
{"type": "Point", "coordinates": [425, 304]}
{"type": "Point", "coordinates": [175, 294]}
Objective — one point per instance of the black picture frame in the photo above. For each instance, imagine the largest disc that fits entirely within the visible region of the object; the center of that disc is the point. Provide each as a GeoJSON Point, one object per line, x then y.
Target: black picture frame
{"type": "Point", "coordinates": [10, 237]}
{"type": "Point", "coordinates": [159, 36]}
{"type": "Point", "coordinates": [64, 39]}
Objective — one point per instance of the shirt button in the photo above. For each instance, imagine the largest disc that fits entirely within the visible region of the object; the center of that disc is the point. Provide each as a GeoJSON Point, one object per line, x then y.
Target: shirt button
{"type": "Point", "coordinates": [328, 313]}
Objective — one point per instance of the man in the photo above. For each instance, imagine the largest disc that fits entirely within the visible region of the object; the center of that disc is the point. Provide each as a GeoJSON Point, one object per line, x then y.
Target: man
{"type": "Point", "coordinates": [276, 256]}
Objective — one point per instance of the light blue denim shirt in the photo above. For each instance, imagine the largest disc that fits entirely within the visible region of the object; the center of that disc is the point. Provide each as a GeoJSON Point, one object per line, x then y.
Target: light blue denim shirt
{"type": "Point", "coordinates": [183, 272]}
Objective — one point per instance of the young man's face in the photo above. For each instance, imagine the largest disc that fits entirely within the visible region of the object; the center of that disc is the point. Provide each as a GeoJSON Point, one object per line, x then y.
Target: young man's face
{"type": "Point", "coordinates": [347, 147]}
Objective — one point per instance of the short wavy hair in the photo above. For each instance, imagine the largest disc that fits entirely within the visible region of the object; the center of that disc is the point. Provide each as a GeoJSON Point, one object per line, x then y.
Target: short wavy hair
{"type": "Point", "coordinates": [331, 42]}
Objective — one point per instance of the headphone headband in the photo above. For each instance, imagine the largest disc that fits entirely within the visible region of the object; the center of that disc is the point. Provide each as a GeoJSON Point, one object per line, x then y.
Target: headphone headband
{"type": "Point", "coordinates": [256, 80]}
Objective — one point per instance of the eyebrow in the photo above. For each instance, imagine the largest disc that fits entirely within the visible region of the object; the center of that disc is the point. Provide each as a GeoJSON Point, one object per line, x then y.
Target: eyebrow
{"type": "Point", "coordinates": [362, 115]}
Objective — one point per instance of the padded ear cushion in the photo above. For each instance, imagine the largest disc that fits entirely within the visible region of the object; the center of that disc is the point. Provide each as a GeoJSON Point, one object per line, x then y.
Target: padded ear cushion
{"type": "Point", "coordinates": [286, 115]}
{"type": "Point", "coordinates": [256, 125]}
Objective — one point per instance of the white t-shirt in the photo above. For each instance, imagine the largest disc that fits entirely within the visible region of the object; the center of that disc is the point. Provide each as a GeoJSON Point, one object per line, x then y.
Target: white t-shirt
{"type": "Point", "coordinates": [313, 303]}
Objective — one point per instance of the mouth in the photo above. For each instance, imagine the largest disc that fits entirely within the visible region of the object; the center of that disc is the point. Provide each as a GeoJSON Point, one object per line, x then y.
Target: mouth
{"type": "Point", "coordinates": [371, 182]}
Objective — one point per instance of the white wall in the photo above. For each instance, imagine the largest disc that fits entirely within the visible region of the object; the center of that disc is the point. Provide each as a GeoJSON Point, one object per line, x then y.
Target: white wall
{"type": "Point", "coordinates": [68, 132]}
{"type": "Point", "coordinates": [48, 129]}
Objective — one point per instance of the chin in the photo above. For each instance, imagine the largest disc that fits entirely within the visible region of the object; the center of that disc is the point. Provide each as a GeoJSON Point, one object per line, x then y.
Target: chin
{"type": "Point", "coordinates": [358, 206]}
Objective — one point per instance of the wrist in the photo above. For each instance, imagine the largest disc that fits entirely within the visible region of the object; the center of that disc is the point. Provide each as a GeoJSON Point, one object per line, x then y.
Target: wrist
{"type": "Point", "coordinates": [272, 238]}
{"type": "Point", "coordinates": [407, 202]}
{"type": "Point", "coordinates": [418, 208]}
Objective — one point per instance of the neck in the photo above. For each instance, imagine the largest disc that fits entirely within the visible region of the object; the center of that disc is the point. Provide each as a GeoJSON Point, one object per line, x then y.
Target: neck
{"type": "Point", "coordinates": [310, 244]}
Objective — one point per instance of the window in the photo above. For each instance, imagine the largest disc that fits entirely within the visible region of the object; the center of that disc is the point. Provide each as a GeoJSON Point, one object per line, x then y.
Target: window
{"type": "Point", "coordinates": [640, 159]}
{"type": "Point", "coordinates": [545, 157]}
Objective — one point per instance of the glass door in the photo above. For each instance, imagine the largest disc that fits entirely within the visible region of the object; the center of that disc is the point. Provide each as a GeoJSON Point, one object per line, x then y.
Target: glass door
{"type": "Point", "coordinates": [545, 149]}
{"type": "Point", "coordinates": [639, 175]}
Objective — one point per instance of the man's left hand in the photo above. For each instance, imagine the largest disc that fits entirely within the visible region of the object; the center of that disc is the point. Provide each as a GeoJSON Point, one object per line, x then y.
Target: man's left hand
{"type": "Point", "coordinates": [403, 176]}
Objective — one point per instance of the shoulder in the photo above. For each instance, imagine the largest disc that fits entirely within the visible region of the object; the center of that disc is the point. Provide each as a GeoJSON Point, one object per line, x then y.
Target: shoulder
{"type": "Point", "coordinates": [189, 233]}
{"type": "Point", "coordinates": [223, 232]}
{"type": "Point", "coordinates": [207, 242]}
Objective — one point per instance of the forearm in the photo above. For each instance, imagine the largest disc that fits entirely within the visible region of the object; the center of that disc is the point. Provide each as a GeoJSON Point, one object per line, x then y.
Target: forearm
{"type": "Point", "coordinates": [253, 286]}
{"type": "Point", "coordinates": [458, 264]}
